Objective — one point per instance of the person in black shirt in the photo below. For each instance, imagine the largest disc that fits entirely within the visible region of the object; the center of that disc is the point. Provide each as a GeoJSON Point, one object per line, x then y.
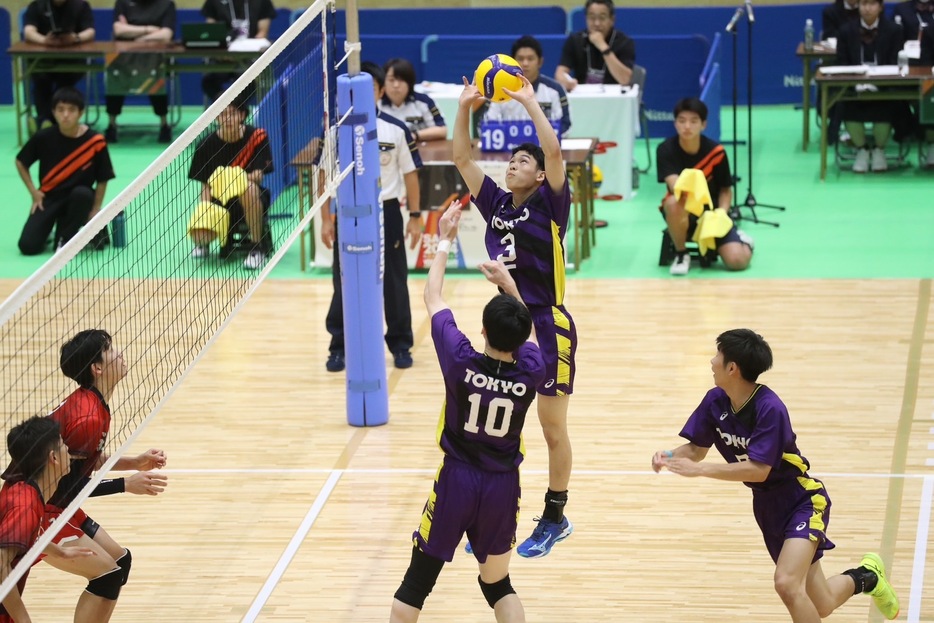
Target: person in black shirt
{"type": "Point", "coordinates": [244, 18]}
{"type": "Point", "coordinates": [74, 167]}
{"type": "Point", "coordinates": [690, 149]}
{"type": "Point", "coordinates": [927, 60]}
{"type": "Point", "coordinates": [142, 20]}
{"type": "Point", "coordinates": [874, 40]}
{"type": "Point", "coordinates": [599, 55]}
{"type": "Point", "coordinates": [835, 16]}
{"type": "Point", "coordinates": [236, 155]}
{"type": "Point", "coordinates": [916, 16]}
{"type": "Point", "coordinates": [55, 23]}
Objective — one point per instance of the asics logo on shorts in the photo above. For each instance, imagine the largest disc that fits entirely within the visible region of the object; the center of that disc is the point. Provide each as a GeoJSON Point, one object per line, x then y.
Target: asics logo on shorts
{"type": "Point", "coordinates": [723, 415]}
{"type": "Point", "coordinates": [549, 383]}
{"type": "Point", "coordinates": [801, 526]}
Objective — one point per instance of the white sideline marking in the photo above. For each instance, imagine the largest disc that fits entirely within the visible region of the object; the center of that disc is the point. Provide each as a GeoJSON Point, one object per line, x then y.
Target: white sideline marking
{"type": "Point", "coordinates": [921, 550]}
{"type": "Point", "coordinates": [292, 547]}
{"type": "Point", "coordinates": [537, 472]}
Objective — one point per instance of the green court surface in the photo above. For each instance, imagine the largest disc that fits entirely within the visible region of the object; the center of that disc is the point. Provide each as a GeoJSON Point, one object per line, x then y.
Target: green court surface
{"type": "Point", "coordinates": [851, 226]}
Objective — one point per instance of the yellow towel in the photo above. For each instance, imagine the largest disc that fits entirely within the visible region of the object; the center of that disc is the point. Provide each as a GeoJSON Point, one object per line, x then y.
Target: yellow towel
{"type": "Point", "coordinates": [711, 225]}
{"type": "Point", "coordinates": [227, 183]}
{"type": "Point", "coordinates": [210, 217]}
{"type": "Point", "coordinates": [693, 183]}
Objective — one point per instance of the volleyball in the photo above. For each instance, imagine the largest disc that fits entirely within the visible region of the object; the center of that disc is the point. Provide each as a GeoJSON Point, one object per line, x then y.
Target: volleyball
{"type": "Point", "coordinates": [496, 73]}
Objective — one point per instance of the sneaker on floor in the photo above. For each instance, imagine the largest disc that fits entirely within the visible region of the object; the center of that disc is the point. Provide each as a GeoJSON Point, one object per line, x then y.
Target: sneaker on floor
{"type": "Point", "coordinates": [930, 162]}
{"type": "Point", "coordinates": [110, 134]}
{"type": "Point", "coordinates": [335, 362]}
{"type": "Point", "coordinates": [254, 260]}
{"type": "Point", "coordinates": [544, 537]}
{"type": "Point", "coordinates": [879, 163]}
{"type": "Point", "coordinates": [165, 134]}
{"type": "Point", "coordinates": [883, 595]}
{"type": "Point", "coordinates": [746, 239]}
{"type": "Point", "coordinates": [200, 251]}
{"type": "Point", "coordinates": [468, 548]}
{"type": "Point", "coordinates": [861, 163]}
{"type": "Point", "coordinates": [403, 359]}
{"type": "Point", "coordinates": [681, 264]}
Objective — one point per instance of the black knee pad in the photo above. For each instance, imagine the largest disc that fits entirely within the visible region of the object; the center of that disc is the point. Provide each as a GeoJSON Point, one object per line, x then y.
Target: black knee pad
{"type": "Point", "coordinates": [125, 562]}
{"type": "Point", "coordinates": [107, 585]}
{"type": "Point", "coordinates": [497, 590]}
{"type": "Point", "coordinates": [419, 579]}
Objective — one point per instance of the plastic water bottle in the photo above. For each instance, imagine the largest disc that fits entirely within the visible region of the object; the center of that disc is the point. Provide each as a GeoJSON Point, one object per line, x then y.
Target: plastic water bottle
{"type": "Point", "coordinates": [118, 230]}
{"type": "Point", "coordinates": [809, 35]}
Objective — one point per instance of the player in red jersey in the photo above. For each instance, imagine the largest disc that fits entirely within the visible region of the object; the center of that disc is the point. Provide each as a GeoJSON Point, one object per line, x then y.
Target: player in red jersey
{"type": "Point", "coordinates": [40, 458]}
{"type": "Point", "coordinates": [91, 359]}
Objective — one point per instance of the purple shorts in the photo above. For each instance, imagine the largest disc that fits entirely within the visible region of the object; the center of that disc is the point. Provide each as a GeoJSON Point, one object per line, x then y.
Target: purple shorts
{"type": "Point", "coordinates": [557, 339]}
{"type": "Point", "coordinates": [799, 509]}
{"type": "Point", "coordinates": [483, 504]}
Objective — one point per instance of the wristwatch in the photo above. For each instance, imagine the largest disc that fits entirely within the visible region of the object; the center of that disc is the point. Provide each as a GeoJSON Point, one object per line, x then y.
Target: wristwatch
{"type": "Point", "coordinates": [416, 214]}
{"type": "Point", "coordinates": [606, 52]}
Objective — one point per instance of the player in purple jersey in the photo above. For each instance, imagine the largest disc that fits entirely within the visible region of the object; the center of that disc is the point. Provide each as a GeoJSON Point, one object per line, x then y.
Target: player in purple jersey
{"type": "Point", "coordinates": [487, 396]}
{"type": "Point", "coordinates": [525, 230]}
{"type": "Point", "coordinates": [749, 425]}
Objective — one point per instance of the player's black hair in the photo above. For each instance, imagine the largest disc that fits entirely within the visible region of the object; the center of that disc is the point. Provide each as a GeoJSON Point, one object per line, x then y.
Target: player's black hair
{"type": "Point", "coordinates": [379, 76]}
{"type": "Point", "coordinates": [527, 41]}
{"type": "Point", "coordinates": [607, 3]}
{"type": "Point", "coordinates": [68, 95]}
{"type": "Point", "coordinates": [508, 323]}
{"type": "Point", "coordinates": [748, 350]}
{"type": "Point", "coordinates": [402, 70]}
{"type": "Point", "coordinates": [691, 104]}
{"type": "Point", "coordinates": [83, 350]}
{"type": "Point", "coordinates": [533, 150]}
{"type": "Point", "coordinates": [29, 444]}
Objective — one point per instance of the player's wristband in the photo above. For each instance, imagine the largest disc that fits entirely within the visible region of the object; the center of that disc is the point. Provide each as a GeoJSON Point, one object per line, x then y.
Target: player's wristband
{"type": "Point", "coordinates": [444, 246]}
{"type": "Point", "coordinates": [109, 487]}
{"type": "Point", "coordinates": [668, 453]}
{"type": "Point", "coordinates": [415, 214]}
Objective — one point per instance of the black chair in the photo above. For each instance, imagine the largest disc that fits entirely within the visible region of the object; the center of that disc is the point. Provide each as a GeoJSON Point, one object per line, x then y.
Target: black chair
{"type": "Point", "coordinates": [666, 254]}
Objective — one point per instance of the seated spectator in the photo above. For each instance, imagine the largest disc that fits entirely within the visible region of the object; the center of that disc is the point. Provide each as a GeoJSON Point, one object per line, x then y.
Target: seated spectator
{"type": "Point", "coordinates": [416, 110]}
{"type": "Point", "coordinates": [142, 20]}
{"type": "Point", "coordinates": [55, 23]}
{"type": "Point", "coordinates": [550, 94]}
{"type": "Point", "coordinates": [690, 149]}
{"type": "Point", "coordinates": [915, 16]}
{"type": "Point", "coordinates": [927, 60]}
{"type": "Point", "coordinates": [599, 55]}
{"type": "Point", "coordinates": [230, 164]}
{"type": "Point", "coordinates": [875, 40]}
{"type": "Point", "coordinates": [245, 19]}
{"type": "Point", "coordinates": [74, 167]}
{"type": "Point", "coordinates": [835, 16]}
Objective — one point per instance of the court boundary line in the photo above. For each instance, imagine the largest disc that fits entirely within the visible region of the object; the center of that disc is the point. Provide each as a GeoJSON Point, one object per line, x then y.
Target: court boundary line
{"type": "Point", "coordinates": [921, 551]}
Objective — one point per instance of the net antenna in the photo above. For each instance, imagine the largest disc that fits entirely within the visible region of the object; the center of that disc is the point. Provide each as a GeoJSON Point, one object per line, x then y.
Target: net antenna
{"type": "Point", "coordinates": [163, 306]}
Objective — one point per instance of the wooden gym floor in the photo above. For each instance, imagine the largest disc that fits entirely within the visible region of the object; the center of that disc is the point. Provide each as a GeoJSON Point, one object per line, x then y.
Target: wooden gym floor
{"type": "Point", "coordinates": [278, 511]}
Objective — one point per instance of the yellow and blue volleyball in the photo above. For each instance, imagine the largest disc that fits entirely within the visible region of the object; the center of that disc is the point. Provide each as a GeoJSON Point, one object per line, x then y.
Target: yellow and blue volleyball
{"type": "Point", "coordinates": [496, 73]}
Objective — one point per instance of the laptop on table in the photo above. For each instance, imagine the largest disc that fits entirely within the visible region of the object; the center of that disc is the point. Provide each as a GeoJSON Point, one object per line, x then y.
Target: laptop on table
{"type": "Point", "coordinates": [205, 35]}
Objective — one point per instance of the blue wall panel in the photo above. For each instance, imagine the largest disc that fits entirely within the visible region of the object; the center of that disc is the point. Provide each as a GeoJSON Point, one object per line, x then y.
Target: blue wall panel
{"type": "Point", "coordinates": [6, 68]}
{"type": "Point", "coordinates": [489, 21]}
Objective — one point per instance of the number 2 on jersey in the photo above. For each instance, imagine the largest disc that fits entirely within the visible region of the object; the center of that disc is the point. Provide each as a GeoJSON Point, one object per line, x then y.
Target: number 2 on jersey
{"type": "Point", "coordinates": [499, 409]}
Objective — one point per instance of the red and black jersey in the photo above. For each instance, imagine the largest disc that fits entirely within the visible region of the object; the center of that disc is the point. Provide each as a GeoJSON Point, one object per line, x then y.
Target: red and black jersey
{"type": "Point", "coordinates": [21, 509]}
{"type": "Point", "coordinates": [65, 162]}
{"type": "Point", "coordinates": [251, 153]}
{"type": "Point", "coordinates": [84, 419]}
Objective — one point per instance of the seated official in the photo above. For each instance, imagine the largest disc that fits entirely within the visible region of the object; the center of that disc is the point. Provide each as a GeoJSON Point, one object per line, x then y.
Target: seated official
{"type": "Point", "coordinates": [549, 93]}
{"type": "Point", "coordinates": [142, 20]}
{"type": "Point", "coordinates": [55, 23]}
{"type": "Point", "coordinates": [915, 16]}
{"type": "Point", "coordinates": [835, 16]}
{"type": "Point", "coordinates": [690, 149]}
{"type": "Point", "coordinates": [599, 55]}
{"type": "Point", "coordinates": [230, 164]}
{"type": "Point", "coordinates": [74, 167]}
{"type": "Point", "coordinates": [416, 110]}
{"type": "Point", "coordinates": [245, 19]}
{"type": "Point", "coordinates": [927, 60]}
{"type": "Point", "coordinates": [874, 40]}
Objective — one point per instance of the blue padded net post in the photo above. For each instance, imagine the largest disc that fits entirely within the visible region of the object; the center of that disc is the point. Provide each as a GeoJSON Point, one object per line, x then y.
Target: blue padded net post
{"type": "Point", "coordinates": [360, 232]}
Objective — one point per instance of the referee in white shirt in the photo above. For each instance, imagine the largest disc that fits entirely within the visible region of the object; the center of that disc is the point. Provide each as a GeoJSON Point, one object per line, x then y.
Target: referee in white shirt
{"type": "Point", "coordinates": [398, 167]}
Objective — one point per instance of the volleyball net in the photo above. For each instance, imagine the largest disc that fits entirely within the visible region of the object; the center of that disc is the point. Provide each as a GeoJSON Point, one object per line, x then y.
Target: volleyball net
{"type": "Point", "coordinates": [163, 302]}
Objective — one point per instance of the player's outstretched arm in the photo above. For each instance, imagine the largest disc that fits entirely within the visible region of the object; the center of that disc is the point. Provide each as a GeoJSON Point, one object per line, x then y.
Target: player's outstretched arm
{"type": "Point", "coordinates": [687, 451]}
{"type": "Point", "coordinates": [472, 174]}
{"type": "Point", "coordinates": [547, 139]}
{"type": "Point", "coordinates": [496, 273]}
{"type": "Point", "coordinates": [13, 602]}
{"type": "Point", "coordinates": [447, 228]}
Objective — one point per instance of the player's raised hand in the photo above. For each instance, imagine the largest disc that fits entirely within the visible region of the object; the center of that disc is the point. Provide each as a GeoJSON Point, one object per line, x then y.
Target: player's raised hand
{"type": "Point", "coordinates": [525, 95]}
{"type": "Point", "coordinates": [470, 95]}
{"type": "Point", "coordinates": [145, 483]}
{"type": "Point", "coordinates": [151, 459]}
{"type": "Point", "coordinates": [497, 274]}
{"type": "Point", "coordinates": [447, 226]}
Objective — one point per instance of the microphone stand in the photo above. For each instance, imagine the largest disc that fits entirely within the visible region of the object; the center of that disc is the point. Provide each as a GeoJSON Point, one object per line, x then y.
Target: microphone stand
{"type": "Point", "coordinates": [731, 28]}
{"type": "Point", "coordinates": [751, 203]}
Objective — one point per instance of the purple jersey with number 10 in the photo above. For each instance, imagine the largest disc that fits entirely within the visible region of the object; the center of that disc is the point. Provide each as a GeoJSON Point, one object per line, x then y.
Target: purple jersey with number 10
{"type": "Point", "coordinates": [529, 238]}
{"type": "Point", "coordinates": [760, 431]}
{"type": "Point", "coordinates": [486, 400]}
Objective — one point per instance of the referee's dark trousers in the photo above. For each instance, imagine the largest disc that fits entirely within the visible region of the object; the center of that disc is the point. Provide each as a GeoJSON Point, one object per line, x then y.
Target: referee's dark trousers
{"type": "Point", "coordinates": [395, 287]}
